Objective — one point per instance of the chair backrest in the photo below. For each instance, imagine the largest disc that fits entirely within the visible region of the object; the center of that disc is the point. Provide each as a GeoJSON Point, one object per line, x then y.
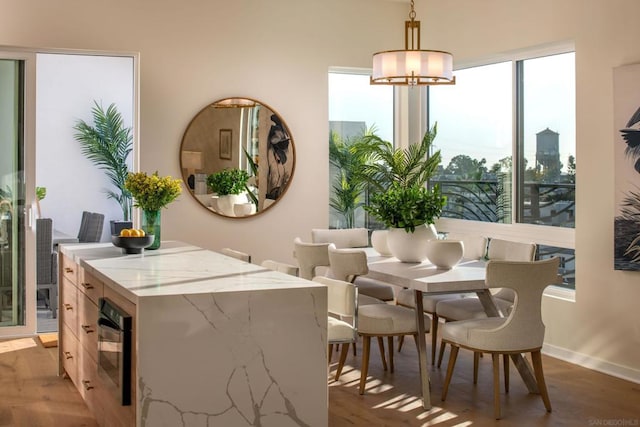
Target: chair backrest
{"type": "Point", "coordinates": [507, 250]}
{"type": "Point", "coordinates": [523, 329]}
{"type": "Point", "coordinates": [341, 237]}
{"type": "Point", "coordinates": [91, 227]}
{"type": "Point", "coordinates": [280, 267]}
{"type": "Point", "coordinates": [475, 246]}
{"type": "Point", "coordinates": [242, 256]}
{"type": "Point", "coordinates": [310, 256]}
{"type": "Point", "coordinates": [44, 251]}
{"type": "Point", "coordinates": [347, 264]}
{"type": "Point", "coordinates": [341, 296]}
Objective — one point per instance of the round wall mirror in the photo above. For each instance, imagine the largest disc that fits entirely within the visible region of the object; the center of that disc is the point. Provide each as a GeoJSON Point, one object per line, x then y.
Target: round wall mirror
{"type": "Point", "coordinates": [237, 157]}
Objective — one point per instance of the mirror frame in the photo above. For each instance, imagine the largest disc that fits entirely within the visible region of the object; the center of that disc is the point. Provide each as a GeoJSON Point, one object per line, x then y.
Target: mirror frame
{"type": "Point", "coordinates": [235, 102]}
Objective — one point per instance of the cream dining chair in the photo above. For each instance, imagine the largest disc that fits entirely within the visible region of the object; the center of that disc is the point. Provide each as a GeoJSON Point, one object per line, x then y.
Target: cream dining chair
{"type": "Point", "coordinates": [242, 256]}
{"type": "Point", "coordinates": [475, 248]}
{"type": "Point", "coordinates": [471, 308]}
{"type": "Point", "coordinates": [342, 322]}
{"type": "Point", "coordinates": [345, 238]}
{"type": "Point", "coordinates": [281, 267]}
{"type": "Point", "coordinates": [521, 332]}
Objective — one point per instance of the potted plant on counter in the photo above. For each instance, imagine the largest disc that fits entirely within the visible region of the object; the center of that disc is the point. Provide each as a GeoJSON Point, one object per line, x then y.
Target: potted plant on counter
{"type": "Point", "coordinates": [230, 185]}
{"type": "Point", "coordinates": [400, 197]}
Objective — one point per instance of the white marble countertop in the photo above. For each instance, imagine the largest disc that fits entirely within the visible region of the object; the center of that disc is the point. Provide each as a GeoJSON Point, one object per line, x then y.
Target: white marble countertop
{"type": "Point", "coordinates": [176, 269]}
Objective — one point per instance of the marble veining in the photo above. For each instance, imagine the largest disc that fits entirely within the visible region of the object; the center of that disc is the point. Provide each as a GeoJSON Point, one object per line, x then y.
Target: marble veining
{"type": "Point", "coordinates": [219, 342]}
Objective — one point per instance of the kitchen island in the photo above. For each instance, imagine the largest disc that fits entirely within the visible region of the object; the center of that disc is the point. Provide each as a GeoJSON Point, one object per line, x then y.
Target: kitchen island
{"type": "Point", "coordinates": [216, 341]}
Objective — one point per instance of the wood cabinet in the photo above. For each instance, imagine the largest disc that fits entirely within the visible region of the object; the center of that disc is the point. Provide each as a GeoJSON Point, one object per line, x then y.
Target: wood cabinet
{"type": "Point", "coordinates": [80, 292]}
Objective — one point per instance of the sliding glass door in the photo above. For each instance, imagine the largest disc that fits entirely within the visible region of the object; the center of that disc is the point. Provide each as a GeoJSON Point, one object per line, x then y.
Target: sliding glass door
{"type": "Point", "coordinates": [17, 311]}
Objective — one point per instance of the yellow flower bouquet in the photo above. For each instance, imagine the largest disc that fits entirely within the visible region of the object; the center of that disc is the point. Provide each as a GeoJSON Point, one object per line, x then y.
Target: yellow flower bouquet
{"type": "Point", "coordinates": [152, 193]}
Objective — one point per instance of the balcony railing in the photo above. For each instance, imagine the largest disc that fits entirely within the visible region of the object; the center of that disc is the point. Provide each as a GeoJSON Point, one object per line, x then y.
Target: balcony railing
{"type": "Point", "coordinates": [490, 201]}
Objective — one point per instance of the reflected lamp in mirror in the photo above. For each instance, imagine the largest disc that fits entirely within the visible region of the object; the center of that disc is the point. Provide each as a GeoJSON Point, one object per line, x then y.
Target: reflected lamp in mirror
{"type": "Point", "coordinates": [238, 133]}
{"type": "Point", "coordinates": [192, 162]}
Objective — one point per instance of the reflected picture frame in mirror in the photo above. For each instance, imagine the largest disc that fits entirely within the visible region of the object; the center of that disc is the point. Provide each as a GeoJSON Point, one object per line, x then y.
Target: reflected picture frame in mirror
{"type": "Point", "coordinates": [237, 133]}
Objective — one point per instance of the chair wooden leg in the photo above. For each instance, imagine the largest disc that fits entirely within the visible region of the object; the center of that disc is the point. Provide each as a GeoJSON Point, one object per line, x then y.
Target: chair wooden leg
{"type": "Point", "coordinates": [434, 337]}
{"type": "Point", "coordinates": [329, 354]}
{"type": "Point", "coordinates": [452, 361]}
{"type": "Point", "coordinates": [400, 342]}
{"type": "Point", "coordinates": [390, 345]}
{"type": "Point", "coordinates": [505, 362]}
{"type": "Point", "coordinates": [441, 353]}
{"type": "Point", "coordinates": [382, 355]}
{"type": "Point", "coordinates": [354, 349]}
{"type": "Point", "coordinates": [536, 358]}
{"type": "Point", "coordinates": [476, 360]}
{"type": "Point", "coordinates": [364, 369]}
{"type": "Point", "coordinates": [343, 358]}
{"type": "Point", "coordinates": [496, 385]}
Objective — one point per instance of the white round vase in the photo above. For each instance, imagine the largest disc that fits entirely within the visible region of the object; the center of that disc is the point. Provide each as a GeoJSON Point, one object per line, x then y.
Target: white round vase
{"type": "Point", "coordinates": [445, 254]}
{"type": "Point", "coordinates": [379, 242]}
{"type": "Point", "coordinates": [226, 203]}
{"type": "Point", "coordinates": [411, 247]}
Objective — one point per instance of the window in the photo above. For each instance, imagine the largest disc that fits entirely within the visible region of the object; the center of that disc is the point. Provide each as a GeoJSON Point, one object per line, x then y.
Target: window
{"type": "Point", "coordinates": [355, 107]}
{"type": "Point", "coordinates": [520, 108]}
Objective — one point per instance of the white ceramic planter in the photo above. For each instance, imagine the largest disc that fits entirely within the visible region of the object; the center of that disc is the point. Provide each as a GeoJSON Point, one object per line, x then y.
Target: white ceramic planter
{"type": "Point", "coordinates": [226, 203]}
{"type": "Point", "coordinates": [445, 254]}
{"type": "Point", "coordinates": [411, 247]}
{"type": "Point", "coordinates": [379, 242]}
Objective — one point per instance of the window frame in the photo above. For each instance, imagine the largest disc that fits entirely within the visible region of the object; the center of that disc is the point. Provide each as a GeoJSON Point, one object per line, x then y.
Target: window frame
{"type": "Point", "coordinates": [562, 237]}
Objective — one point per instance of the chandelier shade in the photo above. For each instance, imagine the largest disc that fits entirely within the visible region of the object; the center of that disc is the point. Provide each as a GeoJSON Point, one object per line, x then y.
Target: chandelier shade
{"type": "Point", "coordinates": [412, 66]}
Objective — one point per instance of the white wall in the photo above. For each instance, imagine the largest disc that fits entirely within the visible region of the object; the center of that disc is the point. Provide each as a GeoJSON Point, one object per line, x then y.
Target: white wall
{"type": "Point", "coordinates": [67, 86]}
{"type": "Point", "coordinates": [279, 51]}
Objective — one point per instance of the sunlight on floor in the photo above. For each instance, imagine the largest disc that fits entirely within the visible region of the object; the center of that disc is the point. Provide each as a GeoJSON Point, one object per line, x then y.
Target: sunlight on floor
{"type": "Point", "coordinates": [17, 344]}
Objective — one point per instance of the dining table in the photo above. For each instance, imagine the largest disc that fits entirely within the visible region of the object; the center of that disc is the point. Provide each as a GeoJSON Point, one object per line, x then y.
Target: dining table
{"type": "Point", "coordinates": [426, 278]}
{"type": "Point", "coordinates": [60, 237]}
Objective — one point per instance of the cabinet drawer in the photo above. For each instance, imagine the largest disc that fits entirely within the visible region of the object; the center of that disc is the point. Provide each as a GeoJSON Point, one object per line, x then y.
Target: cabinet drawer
{"type": "Point", "coordinates": [88, 325]}
{"type": "Point", "coordinates": [69, 269]}
{"type": "Point", "coordinates": [69, 354]}
{"type": "Point", "coordinates": [89, 385]}
{"type": "Point", "coordinates": [91, 286]}
{"type": "Point", "coordinates": [69, 305]}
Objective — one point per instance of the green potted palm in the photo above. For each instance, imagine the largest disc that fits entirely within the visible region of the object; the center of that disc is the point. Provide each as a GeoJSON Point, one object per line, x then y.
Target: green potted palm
{"type": "Point", "coordinates": [400, 198]}
{"type": "Point", "coordinates": [230, 186]}
{"type": "Point", "coordinates": [107, 143]}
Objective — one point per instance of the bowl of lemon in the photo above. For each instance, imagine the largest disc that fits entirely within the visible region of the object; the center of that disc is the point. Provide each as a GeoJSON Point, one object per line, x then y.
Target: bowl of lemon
{"type": "Point", "coordinates": [132, 240]}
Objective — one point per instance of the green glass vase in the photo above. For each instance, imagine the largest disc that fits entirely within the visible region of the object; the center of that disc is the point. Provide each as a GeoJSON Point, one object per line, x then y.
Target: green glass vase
{"type": "Point", "coordinates": [151, 225]}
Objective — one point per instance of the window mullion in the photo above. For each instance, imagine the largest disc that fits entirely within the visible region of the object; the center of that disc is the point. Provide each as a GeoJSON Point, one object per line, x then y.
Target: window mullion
{"type": "Point", "coordinates": [519, 165]}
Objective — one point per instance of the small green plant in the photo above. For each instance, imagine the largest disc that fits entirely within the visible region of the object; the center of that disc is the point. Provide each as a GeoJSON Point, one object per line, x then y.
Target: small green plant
{"type": "Point", "coordinates": [407, 207]}
{"type": "Point", "coordinates": [228, 181]}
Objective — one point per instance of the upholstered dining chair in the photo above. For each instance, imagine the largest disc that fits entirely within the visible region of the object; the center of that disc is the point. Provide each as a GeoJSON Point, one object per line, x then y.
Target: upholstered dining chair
{"type": "Point", "coordinates": [341, 237]}
{"type": "Point", "coordinates": [242, 256]}
{"type": "Point", "coordinates": [310, 256]}
{"type": "Point", "coordinates": [521, 332]}
{"type": "Point", "coordinates": [384, 320]}
{"type": "Point", "coordinates": [345, 238]}
{"type": "Point", "coordinates": [342, 322]}
{"type": "Point", "coordinates": [471, 308]}
{"type": "Point", "coordinates": [281, 267]}
{"type": "Point", "coordinates": [475, 248]}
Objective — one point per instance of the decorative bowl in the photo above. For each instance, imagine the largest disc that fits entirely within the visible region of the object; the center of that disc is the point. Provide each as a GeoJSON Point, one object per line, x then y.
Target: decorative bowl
{"type": "Point", "coordinates": [132, 245]}
{"type": "Point", "coordinates": [445, 254]}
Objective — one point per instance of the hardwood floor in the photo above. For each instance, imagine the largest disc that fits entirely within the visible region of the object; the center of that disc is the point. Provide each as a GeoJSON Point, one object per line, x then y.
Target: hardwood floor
{"type": "Point", "coordinates": [31, 394]}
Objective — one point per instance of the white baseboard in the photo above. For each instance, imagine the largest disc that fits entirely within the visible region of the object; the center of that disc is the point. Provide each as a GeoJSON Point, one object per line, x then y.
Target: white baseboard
{"type": "Point", "coordinates": [590, 362]}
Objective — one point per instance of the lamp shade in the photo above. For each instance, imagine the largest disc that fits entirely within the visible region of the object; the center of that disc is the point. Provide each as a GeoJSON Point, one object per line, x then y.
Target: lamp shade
{"type": "Point", "coordinates": [191, 160]}
{"type": "Point", "coordinates": [412, 67]}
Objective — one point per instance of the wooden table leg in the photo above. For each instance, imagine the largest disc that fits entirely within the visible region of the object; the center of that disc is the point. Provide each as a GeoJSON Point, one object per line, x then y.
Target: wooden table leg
{"type": "Point", "coordinates": [422, 352]}
{"type": "Point", "coordinates": [522, 364]}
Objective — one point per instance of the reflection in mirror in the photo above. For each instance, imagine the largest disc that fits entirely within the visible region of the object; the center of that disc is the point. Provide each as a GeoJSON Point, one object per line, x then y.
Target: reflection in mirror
{"type": "Point", "coordinates": [243, 134]}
